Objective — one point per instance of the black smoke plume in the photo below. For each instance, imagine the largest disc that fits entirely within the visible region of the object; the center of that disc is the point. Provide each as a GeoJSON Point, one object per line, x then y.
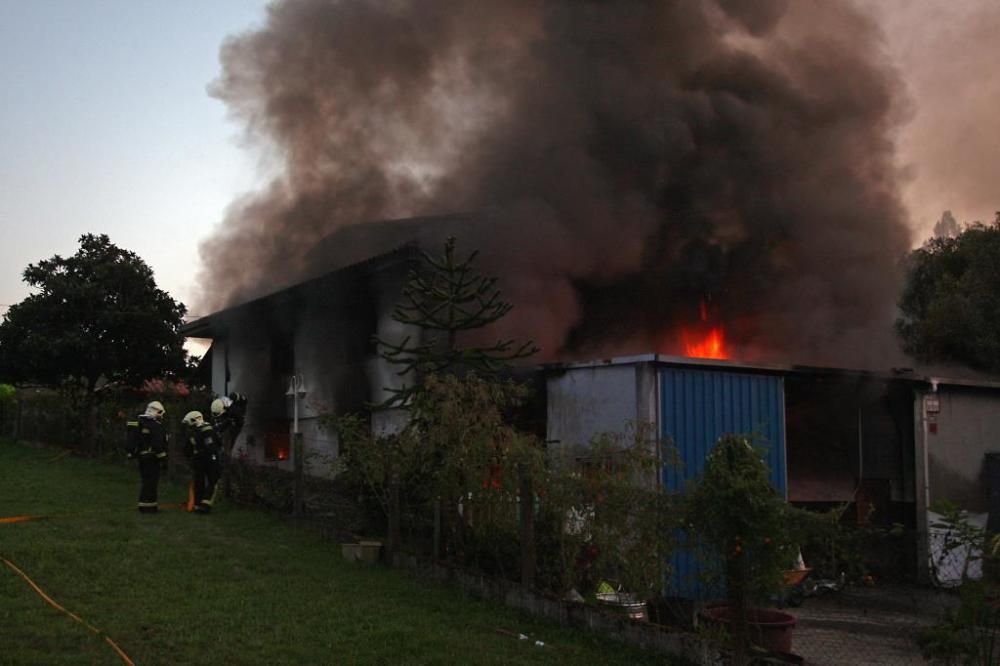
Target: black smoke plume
{"type": "Point", "coordinates": [629, 166]}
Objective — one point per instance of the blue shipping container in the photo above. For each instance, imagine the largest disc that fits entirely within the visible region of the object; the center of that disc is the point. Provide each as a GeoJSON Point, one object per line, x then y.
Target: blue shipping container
{"type": "Point", "coordinates": [697, 406]}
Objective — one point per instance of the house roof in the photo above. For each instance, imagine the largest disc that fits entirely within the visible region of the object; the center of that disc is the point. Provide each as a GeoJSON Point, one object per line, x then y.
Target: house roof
{"type": "Point", "coordinates": [358, 247]}
{"type": "Point", "coordinates": [210, 326]}
{"type": "Point", "coordinates": [918, 376]}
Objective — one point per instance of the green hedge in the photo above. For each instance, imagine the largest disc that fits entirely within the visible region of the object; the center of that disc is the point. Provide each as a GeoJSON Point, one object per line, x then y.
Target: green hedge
{"type": "Point", "coordinates": [50, 417]}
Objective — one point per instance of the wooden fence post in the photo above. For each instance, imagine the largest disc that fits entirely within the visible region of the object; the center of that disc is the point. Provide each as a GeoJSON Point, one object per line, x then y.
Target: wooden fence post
{"type": "Point", "coordinates": [527, 528]}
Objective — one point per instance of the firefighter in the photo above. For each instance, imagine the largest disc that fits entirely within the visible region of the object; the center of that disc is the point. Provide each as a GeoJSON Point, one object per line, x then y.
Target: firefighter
{"type": "Point", "coordinates": [147, 442]}
{"type": "Point", "coordinates": [228, 414]}
{"type": "Point", "coordinates": [202, 449]}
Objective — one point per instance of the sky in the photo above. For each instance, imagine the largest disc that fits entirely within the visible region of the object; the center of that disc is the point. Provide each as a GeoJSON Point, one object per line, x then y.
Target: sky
{"type": "Point", "coordinates": [107, 124]}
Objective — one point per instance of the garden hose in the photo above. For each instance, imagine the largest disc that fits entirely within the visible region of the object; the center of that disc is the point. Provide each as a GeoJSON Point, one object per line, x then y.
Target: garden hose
{"type": "Point", "coordinates": [19, 519]}
{"type": "Point", "coordinates": [121, 653]}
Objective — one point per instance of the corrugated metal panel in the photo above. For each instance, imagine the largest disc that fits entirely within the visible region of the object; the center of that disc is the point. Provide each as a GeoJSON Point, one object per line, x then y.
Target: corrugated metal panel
{"type": "Point", "coordinates": [697, 407]}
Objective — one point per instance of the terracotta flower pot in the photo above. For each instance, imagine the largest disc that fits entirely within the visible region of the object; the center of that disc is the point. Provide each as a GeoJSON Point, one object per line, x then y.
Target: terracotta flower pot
{"type": "Point", "coordinates": [769, 629]}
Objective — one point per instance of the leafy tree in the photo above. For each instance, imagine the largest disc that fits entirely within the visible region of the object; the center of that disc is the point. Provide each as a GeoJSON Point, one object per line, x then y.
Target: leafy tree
{"type": "Point", "coordinates": [950, 307]}
{"type": "Point", "coordinates": [96, 318]}
{"type": "Point", "coordinates": [445, 299]}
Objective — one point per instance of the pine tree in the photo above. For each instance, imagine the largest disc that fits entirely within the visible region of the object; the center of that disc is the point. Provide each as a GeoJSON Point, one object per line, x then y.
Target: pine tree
{"type": "Point", "coordinates": [445, 298]}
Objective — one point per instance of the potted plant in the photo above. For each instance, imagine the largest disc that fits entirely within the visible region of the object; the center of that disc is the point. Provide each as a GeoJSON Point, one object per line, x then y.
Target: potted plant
{"type": "Point", "coordinates": [745, 530]}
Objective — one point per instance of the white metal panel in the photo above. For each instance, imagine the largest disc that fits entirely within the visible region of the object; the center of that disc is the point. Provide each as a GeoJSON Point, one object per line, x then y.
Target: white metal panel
{"type": "Point", "coordinates": [586, 401]}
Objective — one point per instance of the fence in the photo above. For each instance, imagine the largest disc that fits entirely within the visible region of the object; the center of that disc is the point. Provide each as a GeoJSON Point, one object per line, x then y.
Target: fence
{"type": "Point", "coordinates": [875, 614]}
{"type": "Point", "coordinates": [868, 610]}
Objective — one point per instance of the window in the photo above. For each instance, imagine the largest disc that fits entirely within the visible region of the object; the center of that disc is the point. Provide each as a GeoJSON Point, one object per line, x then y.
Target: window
{"type": "Point", "coordinates": [277, 442]}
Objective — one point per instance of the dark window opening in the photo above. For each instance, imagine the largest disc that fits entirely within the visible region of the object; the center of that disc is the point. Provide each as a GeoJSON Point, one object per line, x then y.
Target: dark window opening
{"type": "Point", "coordinates": [277, 442]}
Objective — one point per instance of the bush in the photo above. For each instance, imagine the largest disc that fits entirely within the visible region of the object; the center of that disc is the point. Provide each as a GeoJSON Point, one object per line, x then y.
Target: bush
{"type": "Point", "coordinates": [604, 517]}
{"type": "Point", "coordinates": [744, 528]}
{"type": "Point", "coordinates": [741, 522]}
{"type": "Point", "coordinates": [273, 489]}
{"type": "Point", "coordinates": [457, 449]}
{"type": "Point", "coordinates": [972, 632]}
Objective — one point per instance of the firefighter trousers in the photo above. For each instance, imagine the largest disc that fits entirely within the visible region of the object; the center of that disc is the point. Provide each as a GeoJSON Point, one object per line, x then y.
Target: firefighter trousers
{"type": "Point", "coordinates": [205, 473]}
{"type": "Point", "coordinates": [149, 473]}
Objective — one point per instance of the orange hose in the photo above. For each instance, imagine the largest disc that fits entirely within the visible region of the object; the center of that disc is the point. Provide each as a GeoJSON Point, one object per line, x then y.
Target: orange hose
{"type": "Point", "coordinates": [121, 653]}
{"type": "Point", "coordinates": [19, 519]}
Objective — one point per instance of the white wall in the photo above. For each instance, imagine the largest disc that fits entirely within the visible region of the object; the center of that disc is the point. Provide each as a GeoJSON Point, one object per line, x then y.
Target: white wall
{"type": "Point", "coordinates": [968, 426]}
{"type": "Point", "coordinates": [587, 401]}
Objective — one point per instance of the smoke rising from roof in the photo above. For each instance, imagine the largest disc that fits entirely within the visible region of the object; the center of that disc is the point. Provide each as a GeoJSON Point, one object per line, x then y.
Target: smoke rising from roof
{"type": "Point", "coordinates": [627, 161]}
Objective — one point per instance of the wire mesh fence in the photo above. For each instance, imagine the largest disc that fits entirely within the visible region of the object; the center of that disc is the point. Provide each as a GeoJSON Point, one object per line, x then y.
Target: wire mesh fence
{"type": "Point", "coordinates": [951, 617]}
{"type": "Point", "coordinates": [882, 624]}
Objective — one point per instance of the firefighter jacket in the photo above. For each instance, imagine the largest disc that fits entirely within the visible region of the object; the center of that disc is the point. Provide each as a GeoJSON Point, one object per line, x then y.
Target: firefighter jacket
{"type": "Point", "coordinates": [230, 422]}
{"type": "Point", "coordinates": [202, 443]}
{"type": "Point", "coordinates": [147, 438]}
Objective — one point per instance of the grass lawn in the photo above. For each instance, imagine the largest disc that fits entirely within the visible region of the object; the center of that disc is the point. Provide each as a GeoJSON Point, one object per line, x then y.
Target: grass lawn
{"type": "Point", "coordinates": [236, 587]}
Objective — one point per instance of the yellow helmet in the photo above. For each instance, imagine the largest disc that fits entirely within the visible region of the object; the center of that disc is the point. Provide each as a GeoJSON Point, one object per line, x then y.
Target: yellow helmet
{"type": "Point", "coordinates": [155, 409]}
{"type": "Point", "coordinates": [193, 419]}
{"type": "Point", "coordinates": [218, 406]}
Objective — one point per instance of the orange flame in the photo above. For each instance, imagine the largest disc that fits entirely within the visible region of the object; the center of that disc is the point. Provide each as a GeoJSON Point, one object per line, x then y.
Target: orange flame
{"type": "Point", "coordinates": [710, 345]}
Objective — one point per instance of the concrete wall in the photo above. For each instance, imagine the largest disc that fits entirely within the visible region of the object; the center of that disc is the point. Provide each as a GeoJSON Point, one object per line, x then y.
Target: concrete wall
{"type": "Point", "coordinates": [322, 333]}
{"type": "Point", "coordinates": [246, 353]}
{"type": "Point", "coordinates": [968, 426]}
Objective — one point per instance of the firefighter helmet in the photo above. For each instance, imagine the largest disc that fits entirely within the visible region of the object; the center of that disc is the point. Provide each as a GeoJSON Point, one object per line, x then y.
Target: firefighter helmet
{"type": "Point", "coordinates": [155, 410]}
{"type": "Point", "coordinates": [218, 406]}
{"type": "Point", "coordinates": [193, 419]}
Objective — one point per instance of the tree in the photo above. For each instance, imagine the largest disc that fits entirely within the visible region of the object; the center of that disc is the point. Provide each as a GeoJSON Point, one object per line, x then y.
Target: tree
{"type": "Point", "coordinates": [745, 529]}
{"type": "Point", "coordinates": [445, 299]}
{"type": "Point", "coordinates": [96, 318]}
{"type": "Point", "coordinates": [947, 226]}
{"type": "Point", "coordinates": [950, 307]}
{"type": "Point", "coordinates": [458, 439]}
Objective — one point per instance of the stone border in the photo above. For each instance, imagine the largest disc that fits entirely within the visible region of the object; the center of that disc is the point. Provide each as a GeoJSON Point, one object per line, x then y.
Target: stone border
{"type": "Point", "coordinates": [675, 643]}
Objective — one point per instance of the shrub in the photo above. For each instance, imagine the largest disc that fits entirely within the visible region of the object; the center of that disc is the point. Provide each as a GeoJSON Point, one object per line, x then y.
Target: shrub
{"type": "Point", "coordinates": [604, 516]}
{"type": "Point", "coordinates": [744, 528]}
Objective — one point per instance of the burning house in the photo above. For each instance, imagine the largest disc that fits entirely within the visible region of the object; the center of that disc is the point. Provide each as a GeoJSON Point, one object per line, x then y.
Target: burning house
{"type": "Point", "coordinates": [638, 172]}
{"type": "Point", "coordinates": [695, 179]}
{"type": "Point", "coordinates": [318, 335]}
{"type": "Point", "coordinates": [314, 338]}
